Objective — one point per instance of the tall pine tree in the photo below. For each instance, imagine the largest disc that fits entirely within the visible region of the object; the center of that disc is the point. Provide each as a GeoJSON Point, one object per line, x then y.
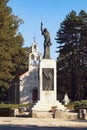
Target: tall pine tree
{"type": "Point", "coordinates": [12, 54]}
{"type": "Point", "coordinates": [71, 38]}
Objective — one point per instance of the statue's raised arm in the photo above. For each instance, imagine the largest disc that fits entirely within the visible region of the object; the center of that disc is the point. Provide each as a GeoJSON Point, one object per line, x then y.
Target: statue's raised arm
{"type": "Point", "coordinates": [41, 26]}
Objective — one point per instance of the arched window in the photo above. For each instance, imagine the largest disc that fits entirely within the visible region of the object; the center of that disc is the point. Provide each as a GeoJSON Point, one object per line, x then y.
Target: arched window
{"type": "Point", "coordinates": [32, 59]}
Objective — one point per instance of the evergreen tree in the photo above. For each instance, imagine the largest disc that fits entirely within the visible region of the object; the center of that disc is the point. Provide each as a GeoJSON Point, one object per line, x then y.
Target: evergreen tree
{"type": "Point", "coordinates": [12, 54]}
{"type": "Point", "coordinates": [71, 38]}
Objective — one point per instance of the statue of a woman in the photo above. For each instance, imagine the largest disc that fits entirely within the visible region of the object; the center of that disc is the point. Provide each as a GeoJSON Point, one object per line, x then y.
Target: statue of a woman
{"type": "Point", "coordinates": [47, 42]}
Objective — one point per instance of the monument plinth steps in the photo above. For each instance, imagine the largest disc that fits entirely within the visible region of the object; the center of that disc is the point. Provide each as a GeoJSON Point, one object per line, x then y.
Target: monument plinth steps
{"type": "Point", "coordinates": [47, 105]}
{"type": "Point", "coordinates": [43, 109]}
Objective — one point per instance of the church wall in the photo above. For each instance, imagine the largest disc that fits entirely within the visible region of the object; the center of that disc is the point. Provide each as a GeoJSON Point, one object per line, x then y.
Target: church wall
{"type": "Point", "coordinates": [29, 81]}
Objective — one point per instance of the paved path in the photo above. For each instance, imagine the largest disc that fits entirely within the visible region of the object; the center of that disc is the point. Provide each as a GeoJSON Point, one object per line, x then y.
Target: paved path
{"type": "Point", "coordinates": [13, 123]}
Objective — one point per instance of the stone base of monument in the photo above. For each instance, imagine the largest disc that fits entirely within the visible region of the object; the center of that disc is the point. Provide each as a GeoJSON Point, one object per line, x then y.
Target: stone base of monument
{"type": "Point", "coordinates": [47, 103]}
{"type": "Point", "coordinates": [46, 109]}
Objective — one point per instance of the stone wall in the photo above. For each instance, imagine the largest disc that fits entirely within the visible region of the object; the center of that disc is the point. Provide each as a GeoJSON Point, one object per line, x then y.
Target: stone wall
{"type": "Point", "coordinates": [66, 115]}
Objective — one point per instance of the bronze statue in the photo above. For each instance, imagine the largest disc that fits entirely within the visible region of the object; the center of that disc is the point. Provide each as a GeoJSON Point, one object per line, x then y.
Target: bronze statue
{"type": "Point", "coordinates": [47, 42]}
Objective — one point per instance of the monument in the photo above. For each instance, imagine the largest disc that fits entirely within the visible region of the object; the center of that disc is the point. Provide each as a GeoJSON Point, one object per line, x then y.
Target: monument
{"type": "Point", "coordinates": [47, 82]}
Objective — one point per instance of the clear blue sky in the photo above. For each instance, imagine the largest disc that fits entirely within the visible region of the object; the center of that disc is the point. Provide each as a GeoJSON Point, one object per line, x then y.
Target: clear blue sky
{"type": "Point", "coordinates": [50, 12]}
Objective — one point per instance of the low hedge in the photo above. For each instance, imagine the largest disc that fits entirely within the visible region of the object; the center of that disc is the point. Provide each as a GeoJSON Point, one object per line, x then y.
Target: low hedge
{"type": "Point", "coordinates": [80, 105]}
{"type": "Point", "coordinates": [75, 106]}
{"type": "Point", "coordinates": [13, 106]}
{"type": "Point", "coordinates": [6, 109]}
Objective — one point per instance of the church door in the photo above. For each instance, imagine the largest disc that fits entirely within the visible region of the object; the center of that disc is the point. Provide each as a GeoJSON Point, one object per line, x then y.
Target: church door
{"type": "Point", "coordinates": [35, 95]}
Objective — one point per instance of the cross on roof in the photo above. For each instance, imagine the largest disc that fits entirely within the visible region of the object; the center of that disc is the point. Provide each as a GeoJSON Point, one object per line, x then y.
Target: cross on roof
{"type": "Point", "coordinates": [34, 39]}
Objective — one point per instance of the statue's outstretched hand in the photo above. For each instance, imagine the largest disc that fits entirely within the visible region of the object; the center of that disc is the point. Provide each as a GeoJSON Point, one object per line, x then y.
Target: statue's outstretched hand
{"type": "Point", "coordinates": [41, 24]}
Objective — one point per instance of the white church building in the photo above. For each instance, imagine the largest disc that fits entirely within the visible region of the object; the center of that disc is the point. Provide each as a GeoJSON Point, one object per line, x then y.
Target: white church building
{"type": "Point", "coordinates": [29, 80]}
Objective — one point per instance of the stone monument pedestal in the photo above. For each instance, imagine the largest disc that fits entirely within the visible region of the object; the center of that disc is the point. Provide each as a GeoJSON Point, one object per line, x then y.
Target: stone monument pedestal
{"type": "Point", "coordinates": [47, 90]}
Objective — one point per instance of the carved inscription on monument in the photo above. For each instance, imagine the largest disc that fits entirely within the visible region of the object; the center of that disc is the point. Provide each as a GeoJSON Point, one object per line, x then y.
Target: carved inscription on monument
{"type": "Point", "coordinates": [48, 79]}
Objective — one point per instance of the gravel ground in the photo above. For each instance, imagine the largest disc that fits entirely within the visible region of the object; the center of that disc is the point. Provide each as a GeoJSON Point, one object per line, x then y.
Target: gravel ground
{"type": "Point", "coordinates": [15, 123]}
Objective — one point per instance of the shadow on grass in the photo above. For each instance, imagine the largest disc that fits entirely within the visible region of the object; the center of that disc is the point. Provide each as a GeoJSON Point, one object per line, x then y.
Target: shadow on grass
{"type": "Point", "coordinates": [33, 127]}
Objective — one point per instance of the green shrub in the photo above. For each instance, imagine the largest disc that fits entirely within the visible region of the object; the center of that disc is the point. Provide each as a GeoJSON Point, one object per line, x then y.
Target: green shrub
{"type": "Point", "coordinates": [80, 104]}
{"type": "Point", "coordinates": [77, 105]}
{"type": "Point", "coordinates": [70, 106]}
{"type": "Point", "coordinates": [6, 109]}
{"type": "Point", "coordinates": [13, 106]}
